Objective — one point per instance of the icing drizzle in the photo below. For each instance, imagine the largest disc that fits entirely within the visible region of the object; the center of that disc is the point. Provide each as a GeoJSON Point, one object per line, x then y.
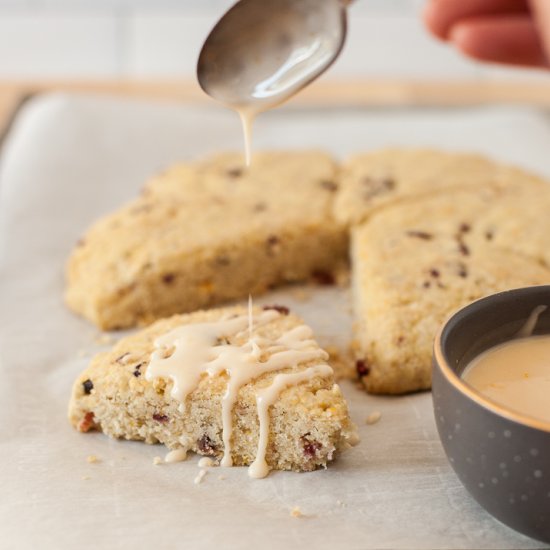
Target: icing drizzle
{"type": "Point", "coordinates": [190, 352]}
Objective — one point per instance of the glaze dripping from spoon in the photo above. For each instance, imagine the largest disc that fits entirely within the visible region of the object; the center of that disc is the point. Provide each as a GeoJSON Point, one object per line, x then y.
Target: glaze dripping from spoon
{"type": "Point", "coordinates": [262, 52]}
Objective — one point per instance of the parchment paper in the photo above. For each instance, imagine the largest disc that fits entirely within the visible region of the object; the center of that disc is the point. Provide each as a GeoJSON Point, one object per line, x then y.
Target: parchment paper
{"type": "Point", "coordinates": [71, 159]}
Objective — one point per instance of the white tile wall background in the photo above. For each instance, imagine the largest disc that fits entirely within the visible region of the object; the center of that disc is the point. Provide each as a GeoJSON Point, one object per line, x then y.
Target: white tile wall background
{"type": "Point", "coordinates": [162, 38]}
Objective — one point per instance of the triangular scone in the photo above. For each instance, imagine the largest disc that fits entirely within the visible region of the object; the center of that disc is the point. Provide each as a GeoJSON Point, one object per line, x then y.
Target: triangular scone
{"type": "Point", "coordinates": [414, 263]}
{"type": "Point", "coordinates": [519, 222]}
{"type": "Point", "coordinates": [372, 180]}
{"type": "Point", "coordinates": [209, 232]}
{"type": "Point", "coordinates": [204, 382]}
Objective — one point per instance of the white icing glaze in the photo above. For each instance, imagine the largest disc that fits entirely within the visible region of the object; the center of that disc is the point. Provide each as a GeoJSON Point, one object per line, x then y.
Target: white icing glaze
{"type": "Point", "coordinates": [266, 398]}
{"type": "Point", "coordinates": [205, 462]}
{"type": "Point", "coordinates": [529, 327]}
{"type": "Point", "coordinates": [177, 455]}
{"type": "Point", "coordinates": [194, 346]}
{"type": "Point", "coordinates": [200, 477]}
{"type": "Point", "coordinates": [196, 351]}
{"type": "Point", "coordinates": [248, 116]}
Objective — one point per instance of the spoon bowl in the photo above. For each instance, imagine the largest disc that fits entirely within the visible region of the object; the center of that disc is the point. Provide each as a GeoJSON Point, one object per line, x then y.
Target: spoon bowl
{"type": "Point", "coordinates": [262, 52]}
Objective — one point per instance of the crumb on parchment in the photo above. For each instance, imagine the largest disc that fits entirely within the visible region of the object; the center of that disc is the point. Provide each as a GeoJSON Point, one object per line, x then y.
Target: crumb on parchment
{"type": "Point", "coordinates": [373, 418]}
{"type": "Point", "coordinates": [296, 512]}
{"type": "Point", "coordinates": [157, 460]}
{"type": "Point", "coordinates": [92, 459]}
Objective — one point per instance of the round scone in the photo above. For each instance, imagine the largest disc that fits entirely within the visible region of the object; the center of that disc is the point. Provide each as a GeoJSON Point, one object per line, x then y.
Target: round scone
{"type": "Point", "coordinates": [248, 388]}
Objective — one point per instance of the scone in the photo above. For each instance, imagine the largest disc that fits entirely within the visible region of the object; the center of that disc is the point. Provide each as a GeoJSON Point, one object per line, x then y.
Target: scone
{"type": "Point", "coordinates": [247, 387]}
{"type": "Point", "coordinates": [373, 180]}
{"type": "Point", "coordinates": [416, 262]}
{"type": "Point", "coordinates": [206, 233]}
{"type": "Point", "coordinates": [519, 222]}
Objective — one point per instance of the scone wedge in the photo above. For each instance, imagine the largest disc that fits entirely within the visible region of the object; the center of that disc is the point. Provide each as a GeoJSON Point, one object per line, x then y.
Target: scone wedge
{"type": "Point", "coordinates": [416, 262]}
{"type": "Point", "coordinates": [374, 180]}
{"type": "Point", "coordinates": [205, 233]}
{"type": "Point", "coordinates": [246, 387]}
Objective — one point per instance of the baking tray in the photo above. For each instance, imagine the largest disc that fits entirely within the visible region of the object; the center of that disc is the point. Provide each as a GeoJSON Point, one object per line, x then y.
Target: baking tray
{"type": "Point", "coordinates": [69, 159]}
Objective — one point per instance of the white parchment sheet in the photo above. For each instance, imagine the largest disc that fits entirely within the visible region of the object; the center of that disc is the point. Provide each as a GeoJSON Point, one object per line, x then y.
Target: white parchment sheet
{"type": "Point", "coordinates": [71, 159]}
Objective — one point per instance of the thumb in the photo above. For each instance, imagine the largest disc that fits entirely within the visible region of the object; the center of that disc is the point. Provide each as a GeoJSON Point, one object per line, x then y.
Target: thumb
{"type": "Point", "coordinates": [541, 16]}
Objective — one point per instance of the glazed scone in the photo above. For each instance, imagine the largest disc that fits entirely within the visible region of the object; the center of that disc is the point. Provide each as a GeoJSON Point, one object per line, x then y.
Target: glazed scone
{"type": "Point", "coordinates": [373, 180]}
{"type": "Point", "coordinates": [416, 262]}
{"type": "Point", "coordinates": [209, 232]}
{"type": "Point", "coordinates": [204, 382]}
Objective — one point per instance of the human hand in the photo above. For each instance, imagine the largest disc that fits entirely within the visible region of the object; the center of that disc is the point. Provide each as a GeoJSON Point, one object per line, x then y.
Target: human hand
{"type": "Point", "coordinates": [515, 32]}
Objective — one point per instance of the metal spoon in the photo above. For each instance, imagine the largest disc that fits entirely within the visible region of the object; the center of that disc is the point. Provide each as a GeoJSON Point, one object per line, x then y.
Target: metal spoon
{"type": "Point", "coordinates": [262, 52]}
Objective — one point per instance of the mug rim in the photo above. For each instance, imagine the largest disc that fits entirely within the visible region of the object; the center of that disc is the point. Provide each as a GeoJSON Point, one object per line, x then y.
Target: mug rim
{"type": "Point", "coordinates": [463, 387]}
